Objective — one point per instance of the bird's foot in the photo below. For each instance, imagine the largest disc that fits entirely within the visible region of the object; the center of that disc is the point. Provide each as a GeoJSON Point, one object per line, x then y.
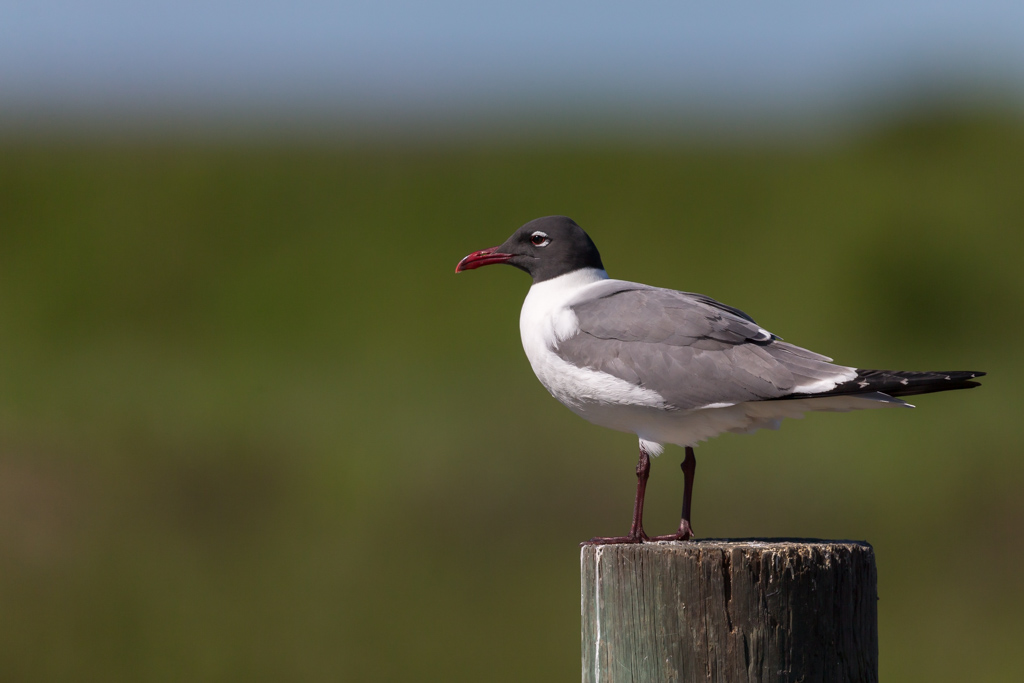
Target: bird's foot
{"type": "Point", "coordinates": [685, 533]}
{"type": "Point", "coordinates": [632, 537]}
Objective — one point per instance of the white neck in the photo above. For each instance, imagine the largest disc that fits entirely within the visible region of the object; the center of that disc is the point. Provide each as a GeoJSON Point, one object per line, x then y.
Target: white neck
{"type": "Point", "coordinates": [572, 281]}
{"type": "Point", "coordinates": [545, 318]}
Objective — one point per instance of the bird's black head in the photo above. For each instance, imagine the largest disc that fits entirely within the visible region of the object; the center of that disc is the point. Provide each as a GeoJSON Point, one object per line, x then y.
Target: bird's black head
{"type": "Point", "coordinates": [545, 248]}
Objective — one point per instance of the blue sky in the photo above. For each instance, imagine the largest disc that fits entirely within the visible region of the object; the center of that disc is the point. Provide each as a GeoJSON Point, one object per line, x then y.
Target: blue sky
{"type": "Point", "coordinates": [412, 59]}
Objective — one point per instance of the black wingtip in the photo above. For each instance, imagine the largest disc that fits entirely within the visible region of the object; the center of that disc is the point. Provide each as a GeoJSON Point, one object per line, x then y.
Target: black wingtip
{"type": "Point", "coordinates": [898, 383]}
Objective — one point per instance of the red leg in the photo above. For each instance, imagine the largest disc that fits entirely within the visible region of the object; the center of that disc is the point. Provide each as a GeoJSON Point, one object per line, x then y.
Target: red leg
{"type": "Point", "coordinates": [636, 530]}
{"type": "Point", "coordinates": [689, 467]}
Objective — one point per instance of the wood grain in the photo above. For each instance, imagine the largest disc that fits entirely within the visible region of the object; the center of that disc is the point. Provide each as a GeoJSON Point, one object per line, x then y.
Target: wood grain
{"type": "Point", "coordinates": [724, 610]}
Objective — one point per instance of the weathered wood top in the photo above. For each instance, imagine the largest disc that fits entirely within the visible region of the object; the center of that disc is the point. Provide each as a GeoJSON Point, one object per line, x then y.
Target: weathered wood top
{"type": "Point", "coordinates": [730, 610]}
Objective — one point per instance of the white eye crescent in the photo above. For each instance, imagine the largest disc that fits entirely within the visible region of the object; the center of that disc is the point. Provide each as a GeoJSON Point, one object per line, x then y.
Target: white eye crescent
{"type": "Point", "coordinates": [540, 239]}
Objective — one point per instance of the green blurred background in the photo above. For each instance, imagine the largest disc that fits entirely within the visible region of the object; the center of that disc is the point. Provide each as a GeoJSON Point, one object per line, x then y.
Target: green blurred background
{"type": "Point", "coordinates": [254, 428]}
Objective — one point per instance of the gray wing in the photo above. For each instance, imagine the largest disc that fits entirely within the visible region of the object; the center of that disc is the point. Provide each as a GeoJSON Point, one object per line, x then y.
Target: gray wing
{"type": "Point", "coordinates": [691, 349]}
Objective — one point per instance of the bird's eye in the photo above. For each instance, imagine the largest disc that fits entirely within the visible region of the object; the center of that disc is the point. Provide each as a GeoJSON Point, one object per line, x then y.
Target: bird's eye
{"type": "Point", "coordinates": [540, 239]}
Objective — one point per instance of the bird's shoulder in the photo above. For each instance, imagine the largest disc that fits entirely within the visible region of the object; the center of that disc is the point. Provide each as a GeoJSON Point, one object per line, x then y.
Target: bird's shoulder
{"type": "Point", "coordinates": [630, 311]}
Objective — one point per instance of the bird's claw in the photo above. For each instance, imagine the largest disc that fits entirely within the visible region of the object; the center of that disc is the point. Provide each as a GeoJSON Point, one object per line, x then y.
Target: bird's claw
{"type": "Point", "coordinates": [685, 533]}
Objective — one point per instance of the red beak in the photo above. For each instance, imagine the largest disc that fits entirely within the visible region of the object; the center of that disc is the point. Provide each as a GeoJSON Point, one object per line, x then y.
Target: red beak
{"type": "Point", "coordinates": [484, 257]}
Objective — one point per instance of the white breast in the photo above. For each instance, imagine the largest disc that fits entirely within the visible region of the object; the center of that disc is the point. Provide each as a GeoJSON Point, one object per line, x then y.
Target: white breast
{"type": "Point", "coordinates": [546, 320]}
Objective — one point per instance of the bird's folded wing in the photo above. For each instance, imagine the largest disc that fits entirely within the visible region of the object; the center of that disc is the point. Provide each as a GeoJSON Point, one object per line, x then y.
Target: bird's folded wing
{"type": "Point", "coordinates": [692, 350]}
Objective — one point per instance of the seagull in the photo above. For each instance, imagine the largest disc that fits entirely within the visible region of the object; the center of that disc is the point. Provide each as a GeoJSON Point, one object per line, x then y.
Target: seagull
{"type": "Point", "coordinates": [671, 367]}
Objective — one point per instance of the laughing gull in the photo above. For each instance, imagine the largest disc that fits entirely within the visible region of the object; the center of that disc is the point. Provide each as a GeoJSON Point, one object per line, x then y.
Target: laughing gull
{"type": "Point", "coordinates": [671, 367]}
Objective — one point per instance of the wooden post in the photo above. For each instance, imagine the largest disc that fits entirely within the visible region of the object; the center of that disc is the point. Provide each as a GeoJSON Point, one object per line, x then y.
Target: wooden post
{"type": "Point", "coordinates": [719, 610]}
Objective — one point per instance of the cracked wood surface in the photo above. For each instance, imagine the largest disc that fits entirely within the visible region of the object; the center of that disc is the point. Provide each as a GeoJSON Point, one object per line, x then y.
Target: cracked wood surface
{"type": "Point", "coordinates": [723, 610]}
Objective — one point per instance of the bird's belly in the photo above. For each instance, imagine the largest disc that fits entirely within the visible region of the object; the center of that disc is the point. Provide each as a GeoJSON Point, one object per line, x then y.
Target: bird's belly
{"type": "Point", "coordinates": [690, 427]}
